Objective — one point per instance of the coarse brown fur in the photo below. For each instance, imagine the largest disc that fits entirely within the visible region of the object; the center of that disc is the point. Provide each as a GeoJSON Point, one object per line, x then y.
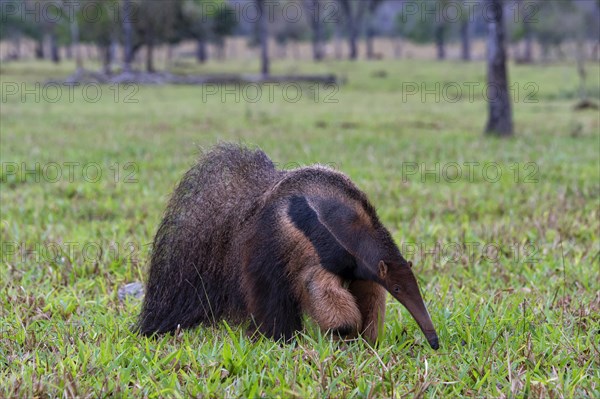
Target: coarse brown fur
{"type": "Point", "coordinates": [241, 240]}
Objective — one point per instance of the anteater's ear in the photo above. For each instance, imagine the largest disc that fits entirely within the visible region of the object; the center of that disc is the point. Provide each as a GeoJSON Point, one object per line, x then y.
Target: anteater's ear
{"type": "Point", "coordinates": [343, 220]}
{"type": "Point", "coordinates": [382, 269]}
{"type": "Point", "coordinates": [341, 217]}
{"type": "Point", "coordinates": [410, 264]}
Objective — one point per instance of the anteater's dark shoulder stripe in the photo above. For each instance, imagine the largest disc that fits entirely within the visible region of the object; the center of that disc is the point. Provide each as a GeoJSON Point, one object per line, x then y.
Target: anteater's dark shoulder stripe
{"type": "Point", "coordinates": [332, 255]}
{"type": "Point", "coordinates": [321, 175]}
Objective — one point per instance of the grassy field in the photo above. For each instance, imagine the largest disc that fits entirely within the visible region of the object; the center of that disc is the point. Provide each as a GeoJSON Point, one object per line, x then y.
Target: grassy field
{"type": "Point", "coordinates": [504, 234]}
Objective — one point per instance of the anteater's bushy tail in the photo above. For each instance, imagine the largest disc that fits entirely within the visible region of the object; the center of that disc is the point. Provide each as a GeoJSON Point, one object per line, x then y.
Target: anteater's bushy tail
{"type": "Point", "coordinates": [187, 284]}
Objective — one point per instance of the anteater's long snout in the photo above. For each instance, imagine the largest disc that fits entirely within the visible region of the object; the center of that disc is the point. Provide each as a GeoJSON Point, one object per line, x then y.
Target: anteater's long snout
{"type": "Point", "coordinates": [410, 296]}
{"type": "Point", "coordinates": [419, 312]}
{"type": "Point", "coordinates": [433, 340]}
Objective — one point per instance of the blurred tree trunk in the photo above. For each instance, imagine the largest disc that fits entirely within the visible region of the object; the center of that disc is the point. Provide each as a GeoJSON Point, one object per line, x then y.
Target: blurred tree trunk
{"type": "Point", "coordinates": [150, 53]}
{"type": "Point", "coordinates": [370, 34]}
{"type": "Point", "coordinates": [232, 49]}
{"type": "Point", "coordinates": [74, 30]}
{"type": "Point", "coordinates": [313, 8]}
{"type": "Point", "coordinates": [89, 51]}
{"type": "Point", "coordinates": [528, 55]}
{"type": "Point", "coordinates": [439, 40]}
{"type": "Point", "coordinates": [353, 23]}
{"type": "Point", "coordinates": [106, 59]}
{"type": "Point", "coordinates": [263, 35]}
{"type": "Point", "coordinates": [169, 58]}
{"type": "Point", "coordinates": [580, 56]}
{"type": "Point", "coordinates": [337, 43]}
{"type": "Point", "coordinates": [16, 55]}
{"type": "Point", "coordinates": [465, 39]}
{"type": "Point", "coordinates": [369, 42]}
{"type": "Point", "coordinates": [560, 53]}
{"type": "Point", "coordinates": [201, 50]}
{"type": "Point", "coordinates": [39, 48]}
{"type": "Point", "coordinates": [54, 53]}
{"type": "Point", "coordinates": [282, 50]}
{"type": "Point", "coordinates": [222, 50]}
{"type": "Point", "coordinates": [500, 112]}
{"type": "Point", "coordinates": [127, 36]}
{"type": "Point", "coordinates": [397, 47]}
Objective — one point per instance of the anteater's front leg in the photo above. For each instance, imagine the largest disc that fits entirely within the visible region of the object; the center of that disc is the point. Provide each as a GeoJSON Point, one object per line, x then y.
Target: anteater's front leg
{"type": "Point", "coordinates": [370, 298]}
{"type": "Point", "coordinates": [331, 305]}
{"type": "Point", "coordinates": [274, 309]}
{"type": "Point", "coordinates": [278, 317]}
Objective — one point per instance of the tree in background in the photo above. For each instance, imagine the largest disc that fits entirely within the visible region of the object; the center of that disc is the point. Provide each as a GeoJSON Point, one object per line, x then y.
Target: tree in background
{"type": "Point", "coordinates": [127, 26]}
{"type": "Point", "coordinates": [263, 37]}
{"type": "Point", "coordinates": [196, 17]}
{"type": "Point", "coordinates": [500, 121]}
{"type": "Point", "coordinates": [155, 23]}
{"type": "Point", "coordinates": [314, 14]}
{"type": "Point", "coordinates": [14, 28]}
{"type": "Point", "coordinates": [223, 24]}
{"type": "Point", "coordinates": [371, 24]}
{"type": "Point", "coordinates": [146, 24]}
{"type": "Point", "coordinates": [48, 20]}
{"type": "Point", "coordinates": [527, 10]}
{"type": "Point", "coordinates": [429, 24]}
{"type": "Point", "coordinates": [582, 25]}
{"type": "Point", "coordinates": [60, 31]}
{"type": "Point", "coordinates": [74, 32]}
{"type": "Point", "coordinates": [440, 27]}
{"type": "Point", "coordinates": [465, 32]}
{"type": "Point", "coordinates": [290, 27]}
{"type": "Point", "coordinates": [100, 29]}
{"type": "Point", "coordinates": [353, 12]}
{"type": "Point", "coordinates": [414, 28]}
{"type": "Point", "coordinates": [550, 15]}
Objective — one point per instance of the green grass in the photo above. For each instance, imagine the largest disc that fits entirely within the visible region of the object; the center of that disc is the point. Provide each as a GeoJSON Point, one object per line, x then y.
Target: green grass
{"type": "Point", "coordinates": [509, 268]}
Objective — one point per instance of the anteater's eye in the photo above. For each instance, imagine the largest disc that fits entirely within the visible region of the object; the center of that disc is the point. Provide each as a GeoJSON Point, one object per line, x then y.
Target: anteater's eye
{"type": "Point", "coordinates": [396, 289]}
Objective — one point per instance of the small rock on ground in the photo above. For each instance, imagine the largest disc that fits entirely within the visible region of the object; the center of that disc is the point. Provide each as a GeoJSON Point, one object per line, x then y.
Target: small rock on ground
{"type": "Point", "coordinates": [135, 290]}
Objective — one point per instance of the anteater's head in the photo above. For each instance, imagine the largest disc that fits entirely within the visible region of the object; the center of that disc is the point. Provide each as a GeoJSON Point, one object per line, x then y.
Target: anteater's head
{"type": "Point", "coordinates": [341, 223]}
{"type": "Point", "coordinates": [399, 280]}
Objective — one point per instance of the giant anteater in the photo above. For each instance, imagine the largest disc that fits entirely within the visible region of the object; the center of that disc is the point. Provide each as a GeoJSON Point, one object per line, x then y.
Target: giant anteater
{"type": "Point", "coordinates": [241, 240]}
